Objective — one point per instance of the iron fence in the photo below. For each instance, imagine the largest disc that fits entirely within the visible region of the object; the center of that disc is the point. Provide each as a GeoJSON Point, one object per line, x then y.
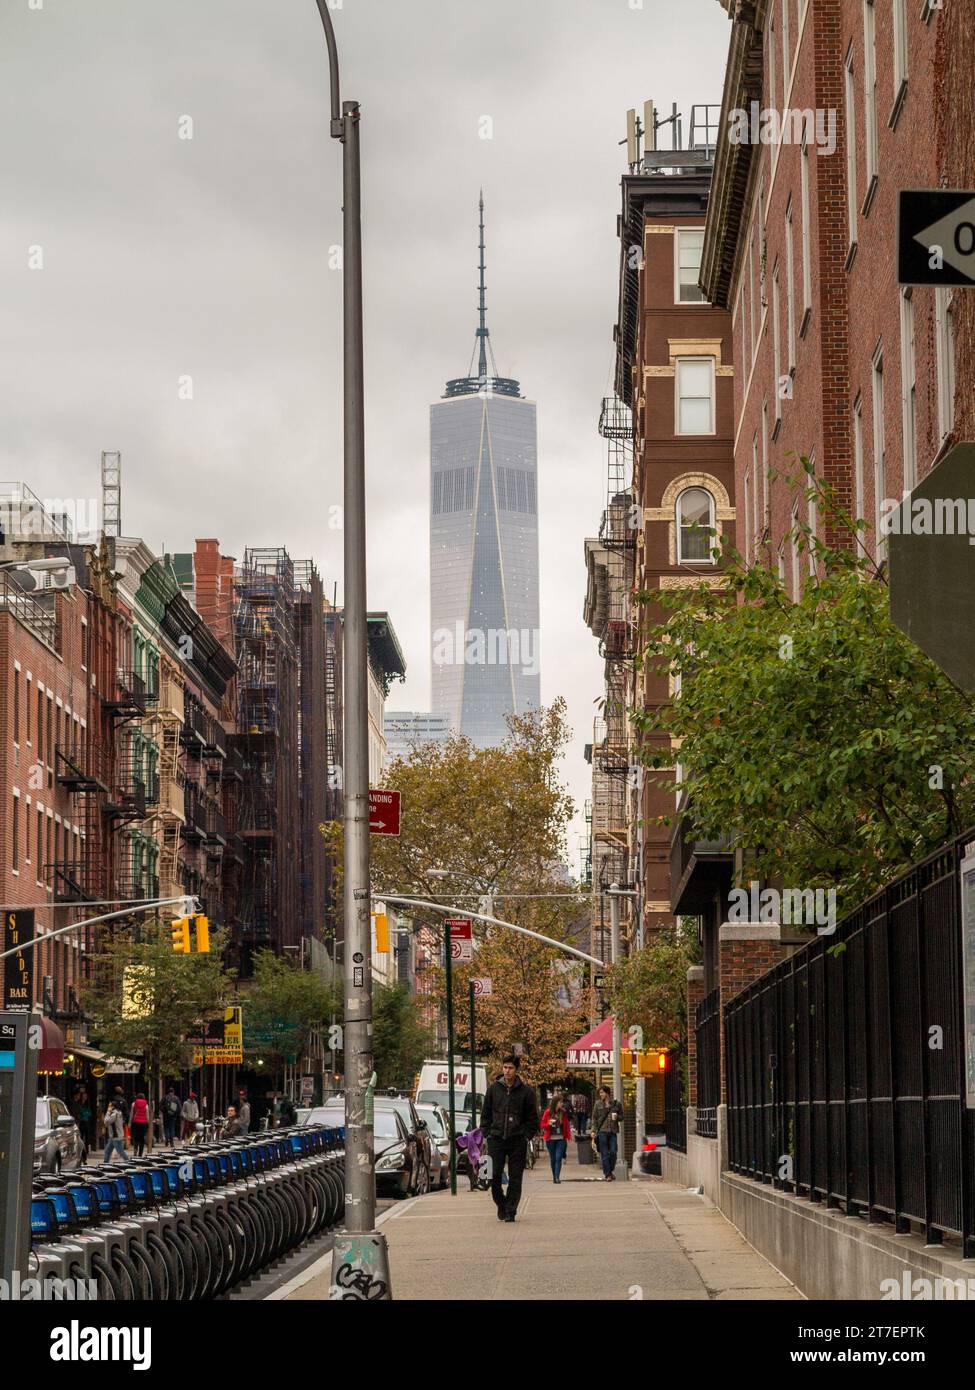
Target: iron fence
{"type": "Point", "coordinates": [708, 1064]}
{"type": "Point", "coordinates": [675, 1101]}
{"type": "Point", "coordinates": [846, 1063]}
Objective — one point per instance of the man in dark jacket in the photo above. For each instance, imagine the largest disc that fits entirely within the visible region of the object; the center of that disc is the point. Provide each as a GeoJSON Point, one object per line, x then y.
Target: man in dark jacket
{"type": "Point", "coordinates": [509, 1119]}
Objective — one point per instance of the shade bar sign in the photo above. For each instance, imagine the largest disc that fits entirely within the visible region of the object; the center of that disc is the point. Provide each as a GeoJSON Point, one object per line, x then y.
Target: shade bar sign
{"type": "Point", "coordinates": [383, 812]}
{"type": "Point", "coordinates": [461, 939]}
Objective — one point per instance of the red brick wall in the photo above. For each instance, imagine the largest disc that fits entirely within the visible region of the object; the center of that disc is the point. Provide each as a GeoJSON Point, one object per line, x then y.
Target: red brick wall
{"type": "Point", "coordinates": [22, 770]}
{"type": "Point", "coordinates": [854, 307]}
{"type": "Point", "coordinates": [743, 957]}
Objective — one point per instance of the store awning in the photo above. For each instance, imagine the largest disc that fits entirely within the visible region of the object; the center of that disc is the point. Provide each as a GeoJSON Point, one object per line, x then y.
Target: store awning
{"type": "Point", "coordinates": [90, 1054]}
{"type": "Point", "coordinates": [595, 1048]}
{"type": "Point", "coordinates": [51, 1055]}
{"type": "Point", "coordinates": [122, 1066]}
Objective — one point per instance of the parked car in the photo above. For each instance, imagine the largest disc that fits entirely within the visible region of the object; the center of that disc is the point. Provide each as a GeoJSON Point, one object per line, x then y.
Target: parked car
{"type": "Point", "coordinates": [413, 1121]}
{"type": "Point", "coordinates": [401, 1158]}
{"type": "Point", "coordinates": [58, 1142]}
{"type": "Point", "coordinates": [438, 1127]}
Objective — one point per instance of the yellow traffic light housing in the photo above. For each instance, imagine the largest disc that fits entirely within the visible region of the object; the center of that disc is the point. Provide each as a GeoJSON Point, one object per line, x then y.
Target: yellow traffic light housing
{"type": "Point", "coordinates": [202, 924]}
{"type": "Point", "coordinates": [382, 932]}
{"type": "Point", "coordinates": [180, 930]}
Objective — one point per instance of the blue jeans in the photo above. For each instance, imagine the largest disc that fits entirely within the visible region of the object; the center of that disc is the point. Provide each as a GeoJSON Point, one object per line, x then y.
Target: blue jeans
{"type": "Point", "coordinates": [607, 1151]}
{"type": "Point", "coordinates": [110, 1148]}
{"type": "Point", "coordinates": [556, 1152]}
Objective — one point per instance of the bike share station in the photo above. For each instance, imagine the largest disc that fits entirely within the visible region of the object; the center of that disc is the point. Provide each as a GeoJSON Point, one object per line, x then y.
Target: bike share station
{"type": "Point", "coordinates": [180, 1224]}
{"type": "Point", "coordinates": [18, 1091]}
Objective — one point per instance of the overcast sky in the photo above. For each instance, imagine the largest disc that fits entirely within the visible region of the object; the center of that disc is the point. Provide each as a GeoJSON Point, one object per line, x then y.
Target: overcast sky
{"type": "Point", "coordinates": [208, 258]}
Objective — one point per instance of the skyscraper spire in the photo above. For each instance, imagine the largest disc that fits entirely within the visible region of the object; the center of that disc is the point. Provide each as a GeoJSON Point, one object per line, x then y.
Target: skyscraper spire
{"type": "Point", "coordinates": [482, 332]}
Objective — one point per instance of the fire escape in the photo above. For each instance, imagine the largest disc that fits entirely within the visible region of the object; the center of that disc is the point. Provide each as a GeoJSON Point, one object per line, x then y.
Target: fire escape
{"type": "Point", "coordinates": [267, 741]}
{"type": "Point", "coordinates": [614, 847]}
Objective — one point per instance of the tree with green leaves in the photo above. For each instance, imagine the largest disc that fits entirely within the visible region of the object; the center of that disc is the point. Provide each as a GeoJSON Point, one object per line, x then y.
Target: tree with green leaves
{"type": "Point", "coordinates": [814, 732]}
{"type": "Point", "coordinates": [145, 998]}
{"type": "Point", "coordinates": [400, 1038]}
{"type": "Point", "coordinates": [648, 989]}
{"type": "Point", "coordinates": [284, 1003]}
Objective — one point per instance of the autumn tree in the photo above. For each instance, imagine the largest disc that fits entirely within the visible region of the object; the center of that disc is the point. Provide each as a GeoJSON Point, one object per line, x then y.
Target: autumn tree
{"type": "Point", "coordinates": [145, 997]}
{"type": "Point", "coordinates": [285, 1003]}
{"type": "Point", "coordinates": [648, 990]}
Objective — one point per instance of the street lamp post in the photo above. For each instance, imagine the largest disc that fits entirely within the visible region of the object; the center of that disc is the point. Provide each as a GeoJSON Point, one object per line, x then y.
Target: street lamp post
{"type": "Point", "coordinates": [360, 1260]}
{"type": "Point", "coordinates": [614, 894]}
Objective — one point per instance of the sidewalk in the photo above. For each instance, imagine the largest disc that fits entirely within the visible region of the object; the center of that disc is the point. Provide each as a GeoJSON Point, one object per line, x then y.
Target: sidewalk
{"type": "Point", "coordinates": [583, 1239]}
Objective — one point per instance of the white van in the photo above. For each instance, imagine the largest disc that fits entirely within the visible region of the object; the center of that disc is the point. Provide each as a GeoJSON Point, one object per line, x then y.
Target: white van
{"type": "Point", "coordinates": [433, 1087]}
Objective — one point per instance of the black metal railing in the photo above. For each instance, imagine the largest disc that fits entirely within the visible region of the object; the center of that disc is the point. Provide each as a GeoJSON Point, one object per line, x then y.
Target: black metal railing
{"type": "Point", "coordinates": [81, 767]}
{"type": "Point", "coordinates": [675, 1101]}
{"type": "Point", "coordinates": [194, 812]}
{"type": "Point", "coordinates": [132, 697]}
{"type": "Point", "coordinates": [216, 739]}
{"type": "Point", "coordinates": [846, 1063]}
{"type": "Point", "coordinates": [708, 1064]}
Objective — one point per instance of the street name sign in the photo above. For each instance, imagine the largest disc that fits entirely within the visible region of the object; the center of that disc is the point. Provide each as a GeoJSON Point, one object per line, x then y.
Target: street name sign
{"type": "Point", "coordinates": [383, 812]}
{"type": "Point", "coordinates": [461, 939]}
{"type": "Point", "coordinates": [936, 237]}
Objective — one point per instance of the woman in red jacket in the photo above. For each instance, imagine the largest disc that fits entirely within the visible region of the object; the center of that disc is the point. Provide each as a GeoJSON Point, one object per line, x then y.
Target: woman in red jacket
{"type": "Point", "coordinates": [555, 1129]}
{"type": "Point", "coordinates": [139, 1123]}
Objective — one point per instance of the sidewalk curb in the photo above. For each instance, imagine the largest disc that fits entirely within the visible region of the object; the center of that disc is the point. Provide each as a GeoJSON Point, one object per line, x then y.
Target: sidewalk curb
{"type": "Point", "coordinates": [325, 1263]}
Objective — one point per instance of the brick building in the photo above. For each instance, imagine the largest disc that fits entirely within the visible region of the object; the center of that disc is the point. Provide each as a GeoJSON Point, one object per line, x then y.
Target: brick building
{"type": "Point", "coordinates": [837, 363]}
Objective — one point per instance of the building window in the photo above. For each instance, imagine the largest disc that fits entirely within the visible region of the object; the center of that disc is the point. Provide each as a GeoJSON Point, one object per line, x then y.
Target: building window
{"type": "Point", "coordinates": [695, 395]}
{"type": "Point", "coordinates": [806, 235]}
{"type": "Point", "coordinates": [908, 390]}
{"type": "Point", "coordinates": [16, 705]}
{"type": "Point", "coordinates": [812, 518]}
{"type": "Point", "coordinates": [747, 517]}
{"type": "Point", "coordinates": [851, 148]}
{"type": "Point", "coordinates": [790, 289]}
{"type": "Point", "coordinates": [794, 555]}
{"type": "Point", "coordinates": [870, 97]}
{"type": "Point", "coordinates": [752, 279]}
{"type": "Point", "coordinates": [773, 80]}
{"type": "Point", "coordinates": [15, 835]}
{"type": "Point", "coordinates": [945, 351]}
{"type": "Point", "coordinates": [756, 525]}
{"type": "Point", "coordinates": [765, 512]}
{"type": "Point", "coordinates": [695, 526]}
{"type": "Point", "coordinates": [40, 725]}
{"type": "Point", "coordinates": [786, 50]}
{"type": "Point", "coordinates": [900, 58]}
{"type": "Point", "coordinates": [777, 342]}
{"type": "Point", "coordinates": [689, 243]}
{"type": "Point", "coordinates": [858, 459]}
{"type": "Point", "coordinates": [39, 843]}
{"type": "Point", "coordinates": [879, 469]}
{"type": "Point", "coordinates": [28, 692]}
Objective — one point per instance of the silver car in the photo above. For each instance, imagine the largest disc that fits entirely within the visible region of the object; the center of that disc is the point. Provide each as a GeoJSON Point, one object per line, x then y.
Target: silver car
{"type": "Point", "coordinates": [438, 1127]}
{"type": "Point", "coordinates": [57, 1139]}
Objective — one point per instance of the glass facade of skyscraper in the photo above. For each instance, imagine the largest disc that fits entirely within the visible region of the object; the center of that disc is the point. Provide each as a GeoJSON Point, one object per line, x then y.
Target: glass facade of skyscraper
{"type": "Point", "coordinates": [484, 559]}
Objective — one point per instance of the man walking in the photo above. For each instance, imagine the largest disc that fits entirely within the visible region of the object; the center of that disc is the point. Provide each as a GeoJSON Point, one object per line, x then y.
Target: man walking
{"type": "Point", "coordinates": [509, 1119]}
{"type": "Point", "coordinates": [605, 1128]}
{"type": "Point", "coordinates": [243, 1110]}
{"type": "Point", "coordinates": [189, 1114]}
{"type": "Point", "coordinates": [170, 1112]}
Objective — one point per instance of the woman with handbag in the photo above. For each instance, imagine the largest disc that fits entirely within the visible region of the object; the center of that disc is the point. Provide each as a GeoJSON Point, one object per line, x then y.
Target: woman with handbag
{"type": "Point", "coordinates": [556, 1133]}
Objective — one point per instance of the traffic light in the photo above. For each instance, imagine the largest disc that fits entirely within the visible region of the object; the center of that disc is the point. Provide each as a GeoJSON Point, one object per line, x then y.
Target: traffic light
{"type": "Point", "coordinates": [180, 929]}
{"type": "Point", "coordinates": [202, 931]}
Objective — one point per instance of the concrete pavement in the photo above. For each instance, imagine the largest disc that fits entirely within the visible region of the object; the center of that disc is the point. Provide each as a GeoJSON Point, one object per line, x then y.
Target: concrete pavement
{"type": "Point", "coordinates": [580, 1239]}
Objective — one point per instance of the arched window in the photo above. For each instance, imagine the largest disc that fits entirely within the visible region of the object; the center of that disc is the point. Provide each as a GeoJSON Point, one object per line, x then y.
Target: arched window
{"type": "Point", "coordinates": [695, 526]}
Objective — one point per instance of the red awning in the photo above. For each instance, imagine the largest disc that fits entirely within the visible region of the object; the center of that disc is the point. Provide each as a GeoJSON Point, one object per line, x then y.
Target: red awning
{"type": "Point", "coordinates": [595, 1049]}
{"type": "Point", "coordinates": [51, 1056]}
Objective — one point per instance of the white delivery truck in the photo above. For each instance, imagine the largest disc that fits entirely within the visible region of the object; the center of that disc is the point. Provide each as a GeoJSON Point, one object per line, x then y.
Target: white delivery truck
{"type": "Point", "coordinates": [433, 1088]}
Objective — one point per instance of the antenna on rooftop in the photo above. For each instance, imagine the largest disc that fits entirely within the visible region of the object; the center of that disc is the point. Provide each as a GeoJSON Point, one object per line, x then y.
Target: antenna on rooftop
{"type": "Point", "coordinates": [111, 493]}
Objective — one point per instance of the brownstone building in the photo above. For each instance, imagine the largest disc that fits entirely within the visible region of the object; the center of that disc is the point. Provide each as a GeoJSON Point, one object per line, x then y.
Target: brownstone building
{"type": "Point", "coordinates": [675, 372]}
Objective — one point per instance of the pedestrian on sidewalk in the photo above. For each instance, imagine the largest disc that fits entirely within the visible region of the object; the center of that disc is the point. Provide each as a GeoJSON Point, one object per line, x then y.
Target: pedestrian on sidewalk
{"type": "Point", "coordinates": [605, 1129]}
{"type": "Point", "coordinates": [190, 1114]}
{"type": "Point", "coordinates": [580, 1109]}
{"type": "Point", "coordinates": [509, 1119]}
{"type": "Point", "coordinates": [170, 1112]}
{"type": "Point", "coordinates": [139, 1124]}
{"type": "Point", "coordinates": [114, 1132]}
{"type": "Point", "coordinates": [244, 1109]}
{"type": "Point", "coordinates": [556, 1132]}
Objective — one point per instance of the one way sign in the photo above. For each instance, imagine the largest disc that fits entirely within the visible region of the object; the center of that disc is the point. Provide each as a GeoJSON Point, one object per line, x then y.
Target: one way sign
{"type": "Point", "coordinates": [936, 237]}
